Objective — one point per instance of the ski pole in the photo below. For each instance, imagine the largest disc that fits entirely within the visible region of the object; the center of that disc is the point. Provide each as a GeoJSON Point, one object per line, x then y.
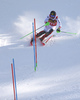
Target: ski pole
{"type": "Point", "coordinates": [68, 32]}
{"type": "Point", "coordinates": [36, 29]}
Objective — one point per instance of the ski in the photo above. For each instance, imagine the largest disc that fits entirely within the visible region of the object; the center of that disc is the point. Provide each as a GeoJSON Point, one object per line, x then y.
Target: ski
{"type": "Point", "coordinates": [49, 38]}
{"type": "Point", "coordinates": [42, 43]}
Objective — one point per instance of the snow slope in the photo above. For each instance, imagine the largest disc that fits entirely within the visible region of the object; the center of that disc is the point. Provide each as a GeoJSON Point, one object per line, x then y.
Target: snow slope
{"type": "Point", "coordinates": [57, 76]}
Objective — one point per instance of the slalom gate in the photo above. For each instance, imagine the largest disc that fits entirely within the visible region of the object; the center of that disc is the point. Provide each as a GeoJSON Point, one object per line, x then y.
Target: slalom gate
{"type": "Point", "coordinates": [34, 44]}
{"type": "Point", "coordinates": [14, 80]}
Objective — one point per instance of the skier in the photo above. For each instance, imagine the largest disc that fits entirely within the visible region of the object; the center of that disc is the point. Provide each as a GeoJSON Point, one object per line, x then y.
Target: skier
{"type": "Point", "coordinates": [53, 20]}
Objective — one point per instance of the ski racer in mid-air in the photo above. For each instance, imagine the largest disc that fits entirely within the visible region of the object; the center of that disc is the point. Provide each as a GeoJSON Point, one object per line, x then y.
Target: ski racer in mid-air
{"type": "Point", "coordinates": [54, 21]}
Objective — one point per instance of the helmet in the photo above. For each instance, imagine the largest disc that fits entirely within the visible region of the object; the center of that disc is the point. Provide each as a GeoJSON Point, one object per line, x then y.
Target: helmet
{"type": "Point", "coordinates": [52, 14]}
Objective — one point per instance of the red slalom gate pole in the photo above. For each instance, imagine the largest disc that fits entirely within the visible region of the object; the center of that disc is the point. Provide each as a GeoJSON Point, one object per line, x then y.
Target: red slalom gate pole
{"type": "Point", "coordinates": [35, 41]}
{"type": "Point", "coordinates": [13, 81]}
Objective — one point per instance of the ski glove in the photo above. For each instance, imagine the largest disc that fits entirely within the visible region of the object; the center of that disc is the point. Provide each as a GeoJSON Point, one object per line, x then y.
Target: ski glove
{"type": "Point", "coordinates": [58, 30]}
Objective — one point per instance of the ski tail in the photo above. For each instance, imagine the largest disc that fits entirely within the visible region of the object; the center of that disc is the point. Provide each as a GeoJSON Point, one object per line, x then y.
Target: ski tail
{"type": "Point", "coordinates": [42, 43]}
{"type": "Point", "coordinates": [49, 38]}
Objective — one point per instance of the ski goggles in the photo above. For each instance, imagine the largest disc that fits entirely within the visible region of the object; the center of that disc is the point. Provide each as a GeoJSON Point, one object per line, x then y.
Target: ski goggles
{"type": "Point", "coordinates": [52, 15]}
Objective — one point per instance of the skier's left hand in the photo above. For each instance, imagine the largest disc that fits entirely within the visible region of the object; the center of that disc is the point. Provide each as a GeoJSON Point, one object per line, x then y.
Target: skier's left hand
{"type": "Point", "coordinates": [58, 30]}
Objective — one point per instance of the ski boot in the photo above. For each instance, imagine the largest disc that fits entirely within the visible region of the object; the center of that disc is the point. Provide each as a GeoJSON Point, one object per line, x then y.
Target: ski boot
{"type": "Point", "coordinates": [31, 42]}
